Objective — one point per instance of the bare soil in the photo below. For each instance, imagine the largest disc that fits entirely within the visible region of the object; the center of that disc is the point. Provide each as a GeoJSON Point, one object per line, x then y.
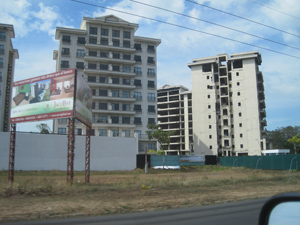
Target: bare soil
{"type": "Point", "coordinates": [38, 195]}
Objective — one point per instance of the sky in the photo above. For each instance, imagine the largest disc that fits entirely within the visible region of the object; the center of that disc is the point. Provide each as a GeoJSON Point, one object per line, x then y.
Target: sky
{"type": "Point", "coordinates": [189, 37]}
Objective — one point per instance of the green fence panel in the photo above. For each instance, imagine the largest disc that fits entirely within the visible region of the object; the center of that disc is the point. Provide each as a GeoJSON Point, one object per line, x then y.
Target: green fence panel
{"type": "Point", "coordinates": [167, 160]}
{"type": "Point", "coordinates": [270, 162]}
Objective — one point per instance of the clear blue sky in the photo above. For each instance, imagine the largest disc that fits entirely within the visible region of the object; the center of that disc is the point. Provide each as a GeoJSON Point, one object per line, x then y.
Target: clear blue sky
{"type": "Point", "coordinates": [35, 22]}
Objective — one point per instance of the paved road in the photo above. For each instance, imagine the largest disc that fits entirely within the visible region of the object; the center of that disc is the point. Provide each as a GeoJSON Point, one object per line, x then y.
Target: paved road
{"type": "Point", "coordinates": [237, 213]}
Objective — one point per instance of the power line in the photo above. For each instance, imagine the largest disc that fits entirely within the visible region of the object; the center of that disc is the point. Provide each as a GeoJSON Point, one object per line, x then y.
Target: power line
{"type": "Point", "coordinates": [240, 17]}
{"type": "Point", "coordinates": [184, 27]}
{"type": "Point", "coordinates": [181, 14]}
{"type": "Point", "coordinates": [274, 9]}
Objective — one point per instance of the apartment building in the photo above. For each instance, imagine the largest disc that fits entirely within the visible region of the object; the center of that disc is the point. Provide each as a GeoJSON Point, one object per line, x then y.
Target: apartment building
{"type": "Point", "coordinates": [228, 105]}
{"type": "Point", "coordinates": [7, 64]}
{"type": "Point", "coordinates": [120, 69]}
{"type": "Point", "coordinates": [174, 106]}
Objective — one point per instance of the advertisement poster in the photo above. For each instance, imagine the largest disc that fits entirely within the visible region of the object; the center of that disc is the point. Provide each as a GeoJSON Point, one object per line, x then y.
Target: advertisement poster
{"type": "Point", "coordinates": [50, 96]}
{"type": "Point", "coordinates": [83, 108]}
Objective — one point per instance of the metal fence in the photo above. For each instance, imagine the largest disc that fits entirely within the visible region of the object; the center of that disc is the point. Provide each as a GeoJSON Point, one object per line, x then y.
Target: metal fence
{"type": "Point", "coordinates": [270, 162]}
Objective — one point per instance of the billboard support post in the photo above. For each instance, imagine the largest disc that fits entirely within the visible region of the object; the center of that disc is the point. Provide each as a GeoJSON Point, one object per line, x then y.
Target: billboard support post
{"type": "Point", "coordinates": [71, 139]}
{"type": "Point", "coordinates": [11, 165]}
{"type": "Point", "coordinates": [87, 154]}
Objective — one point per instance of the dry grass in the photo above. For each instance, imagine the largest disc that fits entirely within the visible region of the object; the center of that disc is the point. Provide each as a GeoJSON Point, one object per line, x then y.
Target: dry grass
{"type": "Point", "coordinates": [44, 195]}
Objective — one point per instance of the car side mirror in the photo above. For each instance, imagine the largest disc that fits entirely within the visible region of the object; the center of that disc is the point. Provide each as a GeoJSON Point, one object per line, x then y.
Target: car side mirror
{"type": "Point", "coordinates": [281, 209]}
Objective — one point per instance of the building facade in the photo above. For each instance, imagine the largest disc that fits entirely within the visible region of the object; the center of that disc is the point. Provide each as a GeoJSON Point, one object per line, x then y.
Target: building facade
{"type": "Point", "coordinates": [174, 106]}
{"type": "Point", "coordinates": [228, 105]}
{"type": "Point", "coordinates": [7, 64]}
{"type": "Point", "coordinates": [120, 69]}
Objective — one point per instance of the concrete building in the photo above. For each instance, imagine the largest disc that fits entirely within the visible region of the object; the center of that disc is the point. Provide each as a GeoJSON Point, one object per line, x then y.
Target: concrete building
{"type": "Point", "coordinates": [174, 106]}
{"type": "Point", "coordinates": [7, 64]}
{"type": "Point", "coordinates": [120, 68]}
{"type": "Point", "coordinates": [228, 105]}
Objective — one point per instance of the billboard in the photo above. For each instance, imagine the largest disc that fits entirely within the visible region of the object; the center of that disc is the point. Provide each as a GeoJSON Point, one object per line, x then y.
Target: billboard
{"type": "Point", "coordinates": [50, 96]}
{"type": "Point", "coordinates": [83, 102]}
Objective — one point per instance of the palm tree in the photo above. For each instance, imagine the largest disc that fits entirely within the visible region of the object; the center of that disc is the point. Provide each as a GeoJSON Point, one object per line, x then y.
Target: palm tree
{"type": "Point", "coordinates": [295, 140]}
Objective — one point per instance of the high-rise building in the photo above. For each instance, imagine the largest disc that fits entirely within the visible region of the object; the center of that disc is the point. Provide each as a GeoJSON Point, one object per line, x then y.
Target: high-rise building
{"type": "Point", "coordinates": [7, 64]}
{"type": "Point", "coordinates": [174, 106]}
{"type": "Point", "coordinates": [120, 69]}
{"type": "Point", "coordinates": [228, 105]}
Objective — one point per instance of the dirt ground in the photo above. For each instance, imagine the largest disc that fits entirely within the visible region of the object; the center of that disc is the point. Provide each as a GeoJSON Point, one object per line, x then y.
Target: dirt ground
{"type": "Point", "coordinates": [41, 196]}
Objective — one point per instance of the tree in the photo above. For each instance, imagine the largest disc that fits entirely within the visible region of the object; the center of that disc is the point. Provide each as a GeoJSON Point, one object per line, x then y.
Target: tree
{"type": "Point", "coordinates": [279, 137]}
{"type": "Point", "coordinates": [163, 137]}
{"type": "Point", "coordinates": [294, 140]}
{"type": "Point", "coordinates": [43, 128]}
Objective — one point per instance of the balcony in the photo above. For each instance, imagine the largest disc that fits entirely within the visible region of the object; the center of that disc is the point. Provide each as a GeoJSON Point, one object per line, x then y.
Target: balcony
{"type": "Point", "coordinates": [105, 45]}
{"type": "Point", "coordinates": [110, 123]}
{"type": "Point", "coordinates": [110, 84]}
{"type": "Point", "coordinates": [261, 96]}
{"type": "Point", "coordinates": [260, 77]}
{"type": "Point", "coordinates": [263, 122]}
{"type": "Point", "coordinates": [109, 71]}
{"type": "Point", "coordinates": [119, 97]}
{"type": "Point", "coordinates": [114, 111]}
{"type": "Point", "coordinates": [262, 113]}
{"type": "Point", "coordinates": [108, 59]}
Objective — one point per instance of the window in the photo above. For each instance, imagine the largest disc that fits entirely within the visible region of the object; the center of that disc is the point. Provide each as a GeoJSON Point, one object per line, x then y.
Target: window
{"type": "Point", "coordinates": [138, 47]}
{"type": "Point", "coordinates": [126, 44]}
{"type": "Point", "coordinates": [125, 120]}
{"type": "Point", "coordinates": [138, 58]}
{"type": "Point", "coordinates": [151, 48]}
{"type": "Point", "coordinates": [139, 132]}
{"type": "Point", "coordinates": [92, 66]}
{"type": "Point", "coordinates": [138, 95]}
{"type": "Point", "coordinates": [210, 147]}
{"type": "Point", "coordinates": [93, 105]}
{"type": "Point", "coordinates": [115, 133]}
{"type": "Point", "coordinates": [225, 112]}
{"type": "Point", "coordinates": [126, 69]}
{"type": "Point", "coordinates": [151, 60]}
{"type": "Point", "coordinates": [151, 84]}
{"type": "Point", "coordinates": [138, 108]}
{"type": "Point", "coordinates": [80, 53]}
{"type": "Point", "coordinates": [115, 106]}
{"type": "Point", "coordinates": [209, 116]}
{"type": "Point", "coordinates": [1, 49]}
{"type": "Point", "coordinates": [137, 121]}
{"type": "Point", "coordinates": [64, 64]}
{"type": "Point", "coordinates": [208, 96]}
{"type": "Point", "coordinates": [104, 41]}
{"type": "Point", "coordinates": [115, 80]}
{"type": "Point", "coordinates": [237, 74]}
{"type": "Point", "coordinates": [126, 34]}
{"type": "Point", "coordinates": [104, 32]}
{"type": "Point", "coordinates": [126, 81]}
{"type": "Point", "coordinates": [80, 65]}
{"type": "Point", "coordinates": [238, 83]}
{"type": "Point", "coordinates": [237, 64]}
{"type": "Point", "coordinates": [2, 35]}
{"type": "Point", "coordinates": [210, 136]}
{"type": "Point", "coordinates": [102, 105]}
{"type": "Point", "coordinates": [126, 107]}
{"type": "Point", "coordinates": [115, 68]}
{"type": "Point", "coordinates": [65, 51]}
{"type": "Point", "coordinates": [116, 55]}
{"type": "Point", "coordinates": [104, 54]}
{"type": "Point", "coordinates": [137, 70]}
{"type": "Point", "coordinates": [126, 94]}
{"type": "Point", "coordinates": [207, 77]}
{"type": "Point", "coordinates": [225, 122]}
{"type": "Point", "coordinates": [151, 97]}
{"type": "Point", "coordinates": [103, 80]}
{"type": "Point", "coordinates": [92, 53]}
{"type": "Point", "coordinates": [206, 67]}
{"type": "Point", "coordinates": [238, 93]}
{"type": "Point", "coordinates": [115, 93]}
{"type": "Point", "coordinates": [103, 67]}
{"type": "Point", "coordinates": [81, 40]}
{"type": "Point", "coordinates": [137, 83]}
{"type": "Point", "coordinates": [240, 124]}
{"type": "Point", "coordinates": [116, 33]}
{"type": "Point", "coordinates": [127, 56]}
{"type": "Point", "coordinates": [209, 106]}
{"type": "Point", "coordinates": [61, 130]}
{"type": "Point", "coordinates": [240, 114]}
{"type": "Point", "coordinates": [66, 39]}
{"type": "Point", "coordinates": [226, 133]}
{"type": "Point", "coordinates": [0, 76]}
{"type": "Point", "coordinates": [239, 104]}
{"type": "Point", "coordinates": [151, 108]}
{"type": "Point", "coordinates": [93, 30]}
{"type": "Point", "coordinates": [241, 135]}
{"type": "Point", "coordinates": [151, 146]}
{"type": "Point", "coordinates": [114, 119]}
{"type": "Point", "coordinates": [151, 72]}
{"type": "Point", "coordinates": [92, 40]}
{"type": "Point", "coordinates": [209, 126]}
{"type": "Point", "coordinates": [102, 119]}
{"type": "Point", "coordinates": [102, 92]}
{"type": "Point", "coordinates": [242, 146]}
{"type": "Point", "coordinates": [126, 133]}
{"type": "Point", "coordinates": [93, 92]}
{"type": "Point", "coordinates": [116, 42]}
{"type": "Point", "coordinates": [103, 132]}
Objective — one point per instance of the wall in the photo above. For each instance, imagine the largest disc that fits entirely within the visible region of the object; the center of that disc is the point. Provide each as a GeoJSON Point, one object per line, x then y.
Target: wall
{"type": "Point", "coordinates": [49, 152]}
